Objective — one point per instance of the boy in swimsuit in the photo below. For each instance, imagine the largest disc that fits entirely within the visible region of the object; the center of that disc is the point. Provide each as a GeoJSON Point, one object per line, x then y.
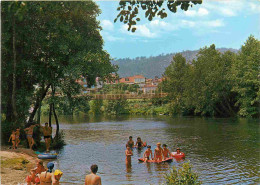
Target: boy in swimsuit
{"type": "Point", "coordinates": [147, 154]}
{"type": "Point", "coordinates": [46, 177]}
{"type": "Point", "coordinates": [47, 133]}
{"type": "Point", "coordinates": [93, 179]}
{"type": "Point", "coordinates": [166, 151]}
{"type": "Point", "coordinates": [56, 177]}
{"type": "Point", "coordinates": [17, 137]}
{"type": "Point", "coordinates": [130, 143]}
{"type": "Point", "coordinates": [12, 137]}
{"type": "Point", "coordinates": [29, 132]}
{"type": "Point", "coordinates": [139, 143]}
{"type": "Point", "coordinates": [158, 154]}
{"type": "Point", "coordinates": [128, 154]}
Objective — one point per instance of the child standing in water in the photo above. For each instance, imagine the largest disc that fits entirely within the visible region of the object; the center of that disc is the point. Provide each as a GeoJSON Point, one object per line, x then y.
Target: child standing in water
{"type": "Point", "coordinates": [147, 154]}
{"type": "Point", "coordinates": [139, 143]}
{"type": "Point", "coordinates": [166, 152]}
{"type": "Point", "coordinates": [128, 154]}
{"type": "Point", "coordinates": [12, 137]}
{"type": "Point", "coordinates": [130, 143]}
{"type": "Point", "coordinates": [158, 153]}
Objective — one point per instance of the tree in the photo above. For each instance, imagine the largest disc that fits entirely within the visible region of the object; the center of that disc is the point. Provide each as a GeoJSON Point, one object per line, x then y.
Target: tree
{"type": "Point", "coordinates": [56, 44]}
{"type": "Point", "coordinates": [128, 10]}
{"type": "Point", "coordinates": [245, 74]}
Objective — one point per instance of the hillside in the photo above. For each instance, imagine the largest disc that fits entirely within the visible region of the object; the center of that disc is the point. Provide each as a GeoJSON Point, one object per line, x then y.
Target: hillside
{"type": "Point", "coordinates": [153, 66]}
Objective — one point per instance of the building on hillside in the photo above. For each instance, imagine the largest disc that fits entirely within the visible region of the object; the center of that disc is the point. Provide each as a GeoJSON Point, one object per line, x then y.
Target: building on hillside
{"type": "Point", "coordinates": [136, 79]}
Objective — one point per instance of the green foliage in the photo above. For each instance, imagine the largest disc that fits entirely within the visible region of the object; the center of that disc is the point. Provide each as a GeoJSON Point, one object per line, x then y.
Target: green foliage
{"type": "Point", "coordinates": [116, 107]}
{"type": "Point", "coordinates": [182, 176]}
{"type": "Point", "coordinates": [154, 65]}
{"type": "Point", "coordinates": [59, 141]}
{"type": "Point", "coordinates": [245, 74]}
{"type": "Point", "coordinates": [215, 84]}
{"type": "Point", "coordinates": [130, 9]}
{"type": "Point", "coordinates": [95, 106]}
{"type": "Point", "coordinates": [49, 44]}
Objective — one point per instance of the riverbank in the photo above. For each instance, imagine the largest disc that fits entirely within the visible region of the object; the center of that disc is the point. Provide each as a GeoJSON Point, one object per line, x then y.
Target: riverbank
{"type": "Point", "coordinates": [16, 164]}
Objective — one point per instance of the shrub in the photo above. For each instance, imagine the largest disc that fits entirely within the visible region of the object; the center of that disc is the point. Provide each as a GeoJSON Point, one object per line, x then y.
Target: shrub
{"type": "Point", "coordinates": [58, 141]}
{"type": "Point", "coordinates": [182, 176]}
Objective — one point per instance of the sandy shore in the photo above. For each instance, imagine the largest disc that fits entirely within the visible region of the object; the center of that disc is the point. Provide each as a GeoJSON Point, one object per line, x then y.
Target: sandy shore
{"type": "Point", "coordinates": [16, 164]}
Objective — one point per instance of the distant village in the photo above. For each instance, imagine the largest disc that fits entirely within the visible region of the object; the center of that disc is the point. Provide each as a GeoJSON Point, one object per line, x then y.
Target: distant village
{"type": "Point", "coordinates": [146, 85]}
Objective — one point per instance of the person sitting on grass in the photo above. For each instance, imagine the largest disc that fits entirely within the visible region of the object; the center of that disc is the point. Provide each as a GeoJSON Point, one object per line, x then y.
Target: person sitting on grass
{"type": "Point", "coordinates": [139, 143]}
{"type": "Point", "coordinates": [158, 155]}
{"type": "Point", "coordinates": [93, 179]}
{"type": "Point", "coordinates": [46, 177]}
{"type": "Point", "coordinates": [17, 137]}
{"type": "Point", "coordinates": [12, 137]}
{"type": "Point", "coordinates": [130, 143]}
{"type": "Point", "coordinates": [56, 177]}
{"type": "Point", "coordinates": [128, 154]}
{"type": "Point", "coordinates": [147, 154]}
{"type": "Point", "coordinates": [166, 152]}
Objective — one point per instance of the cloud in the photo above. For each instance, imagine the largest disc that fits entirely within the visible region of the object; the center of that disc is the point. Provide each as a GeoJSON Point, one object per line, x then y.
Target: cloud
{"type": "Point", "coordinates": [141, 31]}
{"type": "Point", "coordinates": [214, 23]}
{"type": "Point", "coordinates": [107, 25]}
{"type": "Point", "coordinates": [194, 13]}
{"type": "Point", "coordinates": [109, 37]}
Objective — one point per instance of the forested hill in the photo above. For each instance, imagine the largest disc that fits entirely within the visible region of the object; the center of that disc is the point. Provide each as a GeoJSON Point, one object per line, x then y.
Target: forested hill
{"type": "Point", "coordinates": [153, 66]}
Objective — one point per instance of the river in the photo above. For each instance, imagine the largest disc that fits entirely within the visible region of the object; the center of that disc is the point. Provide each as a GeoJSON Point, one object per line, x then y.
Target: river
{"type": "Point", "coordinates": [222, 151]}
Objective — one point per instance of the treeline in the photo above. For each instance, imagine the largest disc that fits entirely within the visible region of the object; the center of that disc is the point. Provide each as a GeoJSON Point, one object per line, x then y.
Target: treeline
{"type": "Point", "coordinates": [154, 65]}
{"type": "Point", "coordinates": [46, 47]}
{"type": "Point", "coordinates": [215, 84]}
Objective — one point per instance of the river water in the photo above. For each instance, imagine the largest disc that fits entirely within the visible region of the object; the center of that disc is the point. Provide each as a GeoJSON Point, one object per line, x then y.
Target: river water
{"type": "Point", "coordinates": [222, 151]}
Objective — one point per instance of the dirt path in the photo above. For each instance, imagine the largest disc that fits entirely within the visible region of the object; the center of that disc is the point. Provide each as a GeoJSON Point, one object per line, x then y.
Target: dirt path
{"type": "Point", "coordinates": [16, 164]}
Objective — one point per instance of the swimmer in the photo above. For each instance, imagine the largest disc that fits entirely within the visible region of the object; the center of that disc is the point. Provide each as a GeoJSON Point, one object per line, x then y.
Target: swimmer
{"type": "Point", "coordinates": [40, 168]}
{"type": "Point", "coordinates": [93, 179]}
{"type": "Point", "coordinates": [128, 154]}
{"type": "Point", "coordinates": [29, 133]}
{"type": "Point", "coordinates": [147, 154]}
{"type": "Point", "coordinates": [46, 177]}
{"type": "Point", "coordinates": [56, 177]}
{"type": "Point", "coordinates": [166, 151]}
{"type": "Point", "coordinates": [130, 143]}
{"type": "Point", "coordinates": [139, 143]}
{"type": "Point", "coordinates": [158, 154]}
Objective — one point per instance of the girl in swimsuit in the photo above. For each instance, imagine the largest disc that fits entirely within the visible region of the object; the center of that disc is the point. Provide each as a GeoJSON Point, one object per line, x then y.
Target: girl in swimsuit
{"type": "Point", "coordinates": [46, 177]}
{"type": "Point", "coordinates": [17, 137]}
{"type": "Point", "coordinates": [128, 154]}
{"type": "Point", "coordinates": [139, 143]}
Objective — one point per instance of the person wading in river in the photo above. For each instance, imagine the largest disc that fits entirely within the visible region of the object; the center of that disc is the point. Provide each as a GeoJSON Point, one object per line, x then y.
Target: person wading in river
{"type": "Point", "coordinates": [29, 133]}
{"type": "Point", "coordinates": [46, 177]}
{"type": "Point", "coordinates": [93, 179]}
{"type": "Point", "coordinates": [158, 153]}
{"type": "Point", "coordinates": [130, 143]}
{"type": "Point", "coordinates": [47, 133]}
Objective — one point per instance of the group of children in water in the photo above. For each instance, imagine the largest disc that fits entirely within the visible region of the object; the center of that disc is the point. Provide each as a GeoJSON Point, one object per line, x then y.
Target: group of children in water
{"type": "Point", "coordinates": [160, 153]}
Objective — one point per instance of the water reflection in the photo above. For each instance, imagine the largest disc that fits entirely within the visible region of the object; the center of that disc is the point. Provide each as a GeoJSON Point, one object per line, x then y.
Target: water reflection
{"type": "Point", "coordinates": [224, 151]}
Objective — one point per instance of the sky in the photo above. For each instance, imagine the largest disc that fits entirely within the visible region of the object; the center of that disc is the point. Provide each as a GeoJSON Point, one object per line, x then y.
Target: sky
{"type": "Point", "coordinates": [225, 23]}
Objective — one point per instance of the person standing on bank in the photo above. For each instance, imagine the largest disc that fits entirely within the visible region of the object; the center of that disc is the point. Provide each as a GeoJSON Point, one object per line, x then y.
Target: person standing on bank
{"type": "Point", "coordinates": [47, 133]}
{"type": "Point", "coordinates": [29, 133]}
{"type": "Point", "coordinates": [93, 179]}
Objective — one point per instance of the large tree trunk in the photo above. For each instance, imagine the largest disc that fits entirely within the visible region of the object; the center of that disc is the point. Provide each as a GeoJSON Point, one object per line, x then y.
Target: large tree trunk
{"type": "Point", "coordinates": [57, 121]}
{"type": "Point", "coordinates": [15, 115]}
{"type": "Point", "coordinates": [50, 114]}
{"type": "Point", "coordinates": [39, 99]}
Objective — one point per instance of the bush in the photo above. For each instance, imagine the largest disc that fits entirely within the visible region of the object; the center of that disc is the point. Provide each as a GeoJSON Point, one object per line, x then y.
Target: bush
{"type": "Point", "coordinates": [181, 176]}
{"type": "Point", "coordinates": [95, 106]}
{"type": "Point", "coordinates": [58, 141]}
